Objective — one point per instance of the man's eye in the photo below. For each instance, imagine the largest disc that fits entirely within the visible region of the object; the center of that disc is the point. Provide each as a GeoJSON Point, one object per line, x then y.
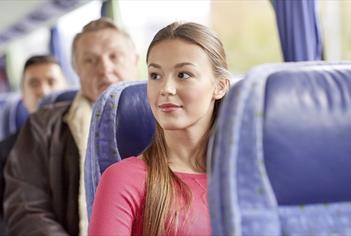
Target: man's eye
{"type": "Point", "coordinates": [51, 82]}
{"type": "Point", "coordinates": [184, 75]}
{"type": "Point", "coordinates": [154, 76]}
{"type": "Point", "coordinates": [34, 83]}
{"type": "Point", "coordinates": [114, 57]}
{"type": "Point", "coordinates": [89, 60]}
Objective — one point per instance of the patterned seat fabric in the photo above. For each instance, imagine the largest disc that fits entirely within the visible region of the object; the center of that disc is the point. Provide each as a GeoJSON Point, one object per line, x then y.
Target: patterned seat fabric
{"type": "Point", "coordinates": [122, 125]}
{"type": "Point", "coordinates": [280, 156]}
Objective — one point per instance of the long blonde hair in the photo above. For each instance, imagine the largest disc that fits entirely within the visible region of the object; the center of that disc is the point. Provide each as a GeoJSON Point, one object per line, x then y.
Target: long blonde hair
{"type": "Point", "coordinates": [164, 190]}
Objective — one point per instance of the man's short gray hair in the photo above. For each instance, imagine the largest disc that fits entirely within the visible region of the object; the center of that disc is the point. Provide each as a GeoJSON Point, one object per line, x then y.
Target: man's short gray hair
{"type": "Point", "coordinates": [96, 25]}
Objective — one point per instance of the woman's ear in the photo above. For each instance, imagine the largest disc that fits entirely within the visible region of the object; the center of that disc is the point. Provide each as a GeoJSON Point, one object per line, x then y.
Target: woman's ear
{"type": "Point", "coordinates": [222, 87]}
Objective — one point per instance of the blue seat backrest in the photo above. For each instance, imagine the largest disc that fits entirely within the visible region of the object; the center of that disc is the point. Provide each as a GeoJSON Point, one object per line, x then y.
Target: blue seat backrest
{"type": "Point", "coordinates": [13, 114]}
{"type": "Point", "coordinates": [307, 135]}
{"type": "Point", "coordinates": [3, 97]}
{"type": "Point", "coordinates": [280, 155]}
{"type": "Point", "coordinates": [61, 96]}
{"type": "Point", "coordinates": [122, 125]}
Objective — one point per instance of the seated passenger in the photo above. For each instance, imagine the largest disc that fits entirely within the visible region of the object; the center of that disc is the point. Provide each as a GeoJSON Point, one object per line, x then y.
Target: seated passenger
{"type": "Point", "coordinates": [41, 75]}
{"type": "Point", "coordinates": [44, 184]}
{"type": "Point", "coordinates": [164, 190]}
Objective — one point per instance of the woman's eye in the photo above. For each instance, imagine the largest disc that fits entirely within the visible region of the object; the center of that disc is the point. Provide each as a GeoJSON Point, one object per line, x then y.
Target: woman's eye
{"type": "Point", "coordinates": [184, 75]}
{"type": "Point", "coordinates": [154, 76]}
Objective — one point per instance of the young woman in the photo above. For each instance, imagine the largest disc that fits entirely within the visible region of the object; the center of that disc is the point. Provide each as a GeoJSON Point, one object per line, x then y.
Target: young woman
{"type": "Point", "coordinates": [164, 190]}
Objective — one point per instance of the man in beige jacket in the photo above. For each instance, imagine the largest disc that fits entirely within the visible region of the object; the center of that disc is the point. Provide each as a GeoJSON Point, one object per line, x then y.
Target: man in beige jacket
{"type": "Point", "coordinates": [44, 174]}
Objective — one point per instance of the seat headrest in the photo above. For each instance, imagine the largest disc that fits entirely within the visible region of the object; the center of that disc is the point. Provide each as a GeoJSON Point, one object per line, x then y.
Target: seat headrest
{"type": "Point", "coordinates": [12, 114]}
{"type": "Point", "coordinates": [122, 125]}
{"type": "Point", "coordinates": [61, 96]}
{"type": "Point", "coordinates": [135, 123]}
{"type": "Point", "coordinates": [281, 141]}
{"type": "Point", "coordinates": [307, 133]}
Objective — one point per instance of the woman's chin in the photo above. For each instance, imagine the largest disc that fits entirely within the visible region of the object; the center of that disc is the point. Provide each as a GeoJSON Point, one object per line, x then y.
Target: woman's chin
{"type": "Point", "coordinates": [171, 126]}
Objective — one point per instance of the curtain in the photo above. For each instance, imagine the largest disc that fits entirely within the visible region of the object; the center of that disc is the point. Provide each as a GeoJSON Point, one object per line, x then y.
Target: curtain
{"type": "Point", "coordinates": [57, 49]}
{"type": "Point", "coordinates": [14, 59]}
{"type": "Point", "coordinates": [110, 9]}
{"type": "Point", "coordinates": [298, 29]}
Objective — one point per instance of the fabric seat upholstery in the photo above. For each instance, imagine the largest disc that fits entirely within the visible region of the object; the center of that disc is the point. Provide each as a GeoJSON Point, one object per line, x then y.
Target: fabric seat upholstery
{"type": "Point", "coordinates": [280, 156]}
{"type": "Point", "coordinates": [62, 96]}
{"type": "Point", "coordinates": [13, 114]}
{"type": "Point", "coordinates": [122, 125]}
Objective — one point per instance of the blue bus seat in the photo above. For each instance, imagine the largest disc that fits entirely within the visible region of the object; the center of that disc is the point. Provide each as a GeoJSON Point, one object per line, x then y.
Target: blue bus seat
{"type": "Point", "coordinates": [13, 114]}
{"type": "Point", "coordinates": [122, 125]}
{"type": "Point", "coordinates": [280, 156]}
{"type": "Point", "coordinates": [61, 96]}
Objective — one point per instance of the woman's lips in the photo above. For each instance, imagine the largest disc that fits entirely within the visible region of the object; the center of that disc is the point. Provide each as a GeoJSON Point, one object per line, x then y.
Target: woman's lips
{"type": "Point", "coordinates": [169, 107]}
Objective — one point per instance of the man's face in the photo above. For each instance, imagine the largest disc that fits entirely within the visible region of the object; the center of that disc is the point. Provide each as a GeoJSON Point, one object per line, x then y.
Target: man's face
{"type": "Point", "coordinates": [40, 80]}
{"type": "Point", "coordinates": [102, 58]}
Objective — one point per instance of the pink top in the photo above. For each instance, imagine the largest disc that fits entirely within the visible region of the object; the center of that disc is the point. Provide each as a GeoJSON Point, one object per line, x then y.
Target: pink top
{"type": "Point", "coordinates": [120, 196]}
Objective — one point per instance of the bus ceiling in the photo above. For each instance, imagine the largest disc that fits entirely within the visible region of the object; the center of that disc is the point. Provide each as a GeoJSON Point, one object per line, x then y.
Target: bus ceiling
{"type": "Point", "coordinates": [22, 16]}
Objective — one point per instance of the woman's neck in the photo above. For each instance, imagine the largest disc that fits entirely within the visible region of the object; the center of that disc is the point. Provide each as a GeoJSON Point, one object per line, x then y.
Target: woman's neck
{"type": "Point", "coordinates": [182, 147]}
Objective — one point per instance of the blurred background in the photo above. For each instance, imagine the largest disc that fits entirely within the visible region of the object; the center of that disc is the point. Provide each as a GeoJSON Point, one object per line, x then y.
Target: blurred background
{"type": "Point", "coordinates": [247, 28]}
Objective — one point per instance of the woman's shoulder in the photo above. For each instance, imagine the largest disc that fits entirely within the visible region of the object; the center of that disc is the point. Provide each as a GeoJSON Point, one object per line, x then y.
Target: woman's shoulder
{"type": "Point", "coordinates": [130, 167]}
{"type": "Point", "coordinates": [135, 162]}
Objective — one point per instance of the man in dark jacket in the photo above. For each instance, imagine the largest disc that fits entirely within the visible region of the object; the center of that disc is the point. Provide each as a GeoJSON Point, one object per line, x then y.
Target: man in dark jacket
{"type": "Point", "coordinates": [41, 76]}
{"type": "Point", "coordinates": [44, 174]}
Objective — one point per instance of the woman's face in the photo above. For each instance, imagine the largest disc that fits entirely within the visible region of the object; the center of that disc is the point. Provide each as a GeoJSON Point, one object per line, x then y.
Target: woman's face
{"type": "Point", "coordinates": [181, 85]}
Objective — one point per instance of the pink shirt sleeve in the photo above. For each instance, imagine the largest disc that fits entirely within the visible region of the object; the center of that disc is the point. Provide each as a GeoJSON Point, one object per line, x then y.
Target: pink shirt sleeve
{"type": "Point", "coordinates": [118, 199]}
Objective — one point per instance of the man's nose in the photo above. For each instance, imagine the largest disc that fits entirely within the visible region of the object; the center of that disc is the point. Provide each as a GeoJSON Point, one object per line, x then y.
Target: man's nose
{"type": "Point", "coordinates": [105, 66]}
{"type": "Point", "coordinates": [44, 89]}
